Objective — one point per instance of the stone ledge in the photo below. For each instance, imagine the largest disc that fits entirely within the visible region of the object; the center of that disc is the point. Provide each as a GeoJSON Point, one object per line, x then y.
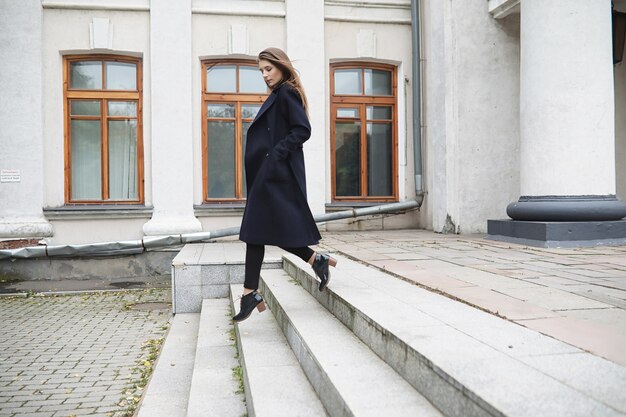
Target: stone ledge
{"type": "Point", "coordinates": [206, 270]}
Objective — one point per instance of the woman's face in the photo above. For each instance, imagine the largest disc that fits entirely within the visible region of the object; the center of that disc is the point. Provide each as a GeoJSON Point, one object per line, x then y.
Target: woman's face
{"type": "Point", "coordinates": [271, 74]}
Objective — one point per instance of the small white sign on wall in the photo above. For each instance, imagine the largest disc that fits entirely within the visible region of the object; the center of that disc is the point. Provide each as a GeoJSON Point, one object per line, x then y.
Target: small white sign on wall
{"type": "Point", "coordinates": [10, 175]}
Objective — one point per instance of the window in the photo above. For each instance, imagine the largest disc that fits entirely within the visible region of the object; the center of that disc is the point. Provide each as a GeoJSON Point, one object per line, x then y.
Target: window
{"type": "Point", "coordinates": [363, 132]}
{"type": "Point", "coordinates": [232, 94]}
{"type": "Point", "coordinates": [103, 130]}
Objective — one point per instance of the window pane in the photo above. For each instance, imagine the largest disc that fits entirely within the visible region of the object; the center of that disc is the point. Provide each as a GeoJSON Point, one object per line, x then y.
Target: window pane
{"type": "Point", "coordinates": [222, 79]}
{"type": "Point", "coordinates": [351, 112]}
{"type": "Point", "coordinates": [121, 76]}
{"type": "Point", "coordinates": [377, 82]}
{"type": "Point", "coordinates": [220, 110]}
{"type": "Point", "coordinates": [123, 108]}
{"type": "Point", "coordinates": [221, 159]}
{"type": "Point", "coordinates": [249, 111]}
{"type": "Point", "coordinates": [86, 75]}
{"type": "Point", "coordinates": [348, 81]}
{"type": "Point", "coordinates": [123, 159]}
{"type": "Point", "coordinates": [378, 113]}
{"type": "Point", "coordinates": [84, 108]}
{"type": "Point", "coordinates": [347, 159]}
{"type": "Point", "coordinates": [86, 154]}
{"type": "Point", "coordinates": [251, 81]}
{"type": "Point", "coordinates": [244, 136]}
{"type": "Point", "coordinates": [379, 159]}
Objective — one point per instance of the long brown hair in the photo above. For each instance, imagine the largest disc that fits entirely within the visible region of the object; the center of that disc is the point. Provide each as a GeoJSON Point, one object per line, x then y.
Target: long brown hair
{"type": "Point", "coordinates": [279, 58]}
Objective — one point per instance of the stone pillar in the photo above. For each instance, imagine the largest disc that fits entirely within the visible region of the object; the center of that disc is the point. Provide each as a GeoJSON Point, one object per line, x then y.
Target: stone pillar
{"type": "Point", "coordinates": [305, 47]}
{"type": "Point", "coordinates": [171, 69]}
{"type": "Point", "coordinates": [567, 134]}
{"type": "Point", "coordinates": [21, 121]}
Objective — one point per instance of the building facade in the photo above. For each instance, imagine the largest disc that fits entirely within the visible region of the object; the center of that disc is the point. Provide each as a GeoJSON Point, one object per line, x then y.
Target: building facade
{"type": "Point", "coordinates": [122, 119]}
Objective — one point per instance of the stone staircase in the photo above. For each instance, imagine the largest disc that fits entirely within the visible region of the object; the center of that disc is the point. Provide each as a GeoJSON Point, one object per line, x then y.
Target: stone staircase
{"type": "Point", "coordinates": [370, 345]}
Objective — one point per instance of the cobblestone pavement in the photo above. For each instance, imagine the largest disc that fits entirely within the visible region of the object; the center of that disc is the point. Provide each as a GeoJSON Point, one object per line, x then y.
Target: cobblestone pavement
{"type": "Point", "coordinates": [77, 355]}
{"type": "Point", "coordinates": [575, 295]}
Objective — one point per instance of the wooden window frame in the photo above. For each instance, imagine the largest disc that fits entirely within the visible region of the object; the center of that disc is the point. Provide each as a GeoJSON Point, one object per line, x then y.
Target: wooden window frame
{"type": "Point", "coordinates": [104, 96]}
{"type": "Point", "coordinates": [362, 101]}
{"type": "Point", "coordinates": [238, 99]}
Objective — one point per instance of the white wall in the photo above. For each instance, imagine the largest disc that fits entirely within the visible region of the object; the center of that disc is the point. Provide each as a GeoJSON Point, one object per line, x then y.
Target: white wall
{"type": "Point", "coordinates": [470, 97]}
{"type": "Point", "coordinates": [471, 115]}
{"type": "Point", "coordinates": [21, 143]}
{"type": "Point", "coordinates": [67, 32]}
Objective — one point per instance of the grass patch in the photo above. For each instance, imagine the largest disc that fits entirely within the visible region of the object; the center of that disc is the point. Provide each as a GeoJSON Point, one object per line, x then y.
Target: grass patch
{"type": "Point", "coordinates": [131, 395]}
{"type": "Point", "coordinates": [238, 375]}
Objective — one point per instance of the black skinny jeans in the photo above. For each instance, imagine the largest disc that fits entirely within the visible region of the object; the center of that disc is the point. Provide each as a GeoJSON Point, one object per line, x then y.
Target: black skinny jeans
{"type": "Point", "coordinates": [254, 260]}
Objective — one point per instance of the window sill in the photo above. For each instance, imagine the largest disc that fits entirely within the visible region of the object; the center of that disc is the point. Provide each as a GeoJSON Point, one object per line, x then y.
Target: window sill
{"type": "Point", "coordinates": [98, 212]}
{"type": "Point", "coordinates": [219, 209]}
{"type": "Point", "coordinates": [347, 205]}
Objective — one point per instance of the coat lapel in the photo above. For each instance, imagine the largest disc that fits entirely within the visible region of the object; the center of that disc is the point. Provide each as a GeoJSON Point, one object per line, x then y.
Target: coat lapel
{"type": "Point", "coordinates": [266, 105]}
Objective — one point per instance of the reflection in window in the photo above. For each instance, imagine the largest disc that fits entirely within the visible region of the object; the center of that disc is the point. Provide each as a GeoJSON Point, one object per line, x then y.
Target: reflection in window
{"type": "Point", "coordinates": [84, 108]}
{"type": "Point", "coordinates": [86, 157]}
{"type": "Point", "coordinates": [346, 112]}
{"type": "Point", "coordinates": [377, 83]}
{"type": "Point", "coordinates": [378, 112]}
{"type": "Point", "coordinates": [347, 159]}
{"type": "Point", "coordinates": [221, 155]}
{"type": "Point", "coordinates": [122, 108]}
{"type": "Point", "coordinates": [121, 76]}
{"type": "Point", "coordinates": [251, 81]}
{"type": "Point", "coordinates": [379, 159]}
{"type": "Point", "coordinates": [222, 79]}
{"type": "Point", "coordinates": [348, 81]}
{"type": "Point", "coordinates": [86, 75]}
{"type": "Point", "coordinates": [249, 111]}
{"type": "Point", "coordinates": [122, 159]}
{"type": "Point", "coordinates": [220, 110]}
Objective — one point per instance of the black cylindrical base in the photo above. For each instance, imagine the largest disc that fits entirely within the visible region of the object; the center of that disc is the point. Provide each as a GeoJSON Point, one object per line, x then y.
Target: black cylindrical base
{"type": "Point", "coordinates": [567, 208]}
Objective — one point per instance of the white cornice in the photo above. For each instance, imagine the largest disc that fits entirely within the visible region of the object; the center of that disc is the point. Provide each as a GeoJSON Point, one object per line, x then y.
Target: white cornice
{"type": "Point", "coordinates": [125, 5]}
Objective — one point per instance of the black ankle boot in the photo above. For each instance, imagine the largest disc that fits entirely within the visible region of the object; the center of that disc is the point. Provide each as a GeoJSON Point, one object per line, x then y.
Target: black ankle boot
{"type": "Point", "coordinates": [247, 304]}
{"type": "Point", "coordinates": [320, 266]}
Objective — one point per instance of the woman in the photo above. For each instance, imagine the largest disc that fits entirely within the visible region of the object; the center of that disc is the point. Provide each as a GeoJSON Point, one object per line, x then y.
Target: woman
{"type": "Point", "coordinates": [277, 212]}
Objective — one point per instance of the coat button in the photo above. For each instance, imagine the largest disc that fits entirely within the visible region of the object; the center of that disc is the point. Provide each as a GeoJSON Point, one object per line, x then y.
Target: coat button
{"type": "Point", "coordinates": [268, 129]}
{"type": "Point", "coordinates": [267, 154]}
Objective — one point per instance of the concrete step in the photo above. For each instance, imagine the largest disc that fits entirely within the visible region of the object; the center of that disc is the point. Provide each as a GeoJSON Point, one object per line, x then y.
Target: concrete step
{"type": "Point", "coordinates": [214, 388]}
{"type": "Point", "coordinates": [275, 385]}
{"type": "Point", "coordinates": [465, 361]}
{"type": "Point", "coordinates": [348, 377]}
{"type": "Point", "coordinates": [206, 270]}
{"type": "Point", "coordinates": [168, 389]}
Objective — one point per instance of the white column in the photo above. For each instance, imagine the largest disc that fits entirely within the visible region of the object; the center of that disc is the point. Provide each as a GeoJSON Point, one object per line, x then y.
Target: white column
{"type": "Point", "coordinates": [171, 67]}
{"type": "Point", "coordinates": [567, 123]}
{"type": "Point", "coordinates": [567, 106]}
{"type": "Point", "coordinates": [21, 120]}
{"type": "Point", "coordinates": [305, 47]}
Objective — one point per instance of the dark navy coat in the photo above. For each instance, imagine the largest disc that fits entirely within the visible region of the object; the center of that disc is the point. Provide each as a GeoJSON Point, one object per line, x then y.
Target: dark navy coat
{"type": "Point", "coordinates": [277, 212]}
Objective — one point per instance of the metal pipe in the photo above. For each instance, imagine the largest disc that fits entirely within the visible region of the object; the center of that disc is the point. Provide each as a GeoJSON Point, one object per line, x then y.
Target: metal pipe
{"type": "Point", "coordinates": [151, 242]}
{"type": "Point", "coordinates": [417, 117]}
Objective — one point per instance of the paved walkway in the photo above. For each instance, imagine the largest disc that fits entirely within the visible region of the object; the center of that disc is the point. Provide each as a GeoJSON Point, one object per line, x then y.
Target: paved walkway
{"type": "Point", "coordinates": [77, 355]}
{"type": "Point", "coordinates": [575, 295]}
